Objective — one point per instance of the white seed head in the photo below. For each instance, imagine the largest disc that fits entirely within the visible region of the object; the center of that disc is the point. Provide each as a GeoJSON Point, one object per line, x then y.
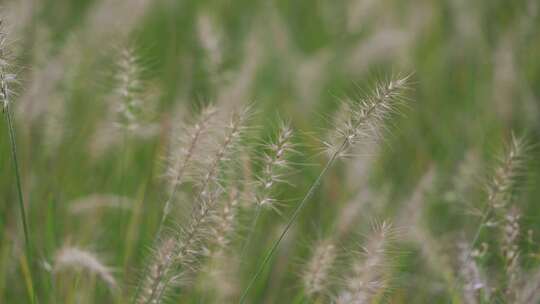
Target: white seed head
{"type": "Point", "coordinates": [363, 120]}
{"type": "Point", "coordinates": [98, 201]}
{"type": "Point", "coordinates": [76, 258]}
{"type": "Point", "coordinates": [7, 77]}
{"type": "Point", "coordinates": [191, 144]}
{"type": "Point", "coordinates": [129, 91]}
{"type": "Point", "coordinates": [368, 275]}
{"type": "Point", "coordinates": [275, 164]}
{"type": "Point", "coordinates": [317, 275]}
{"type": "Point", "coordinates": [474, 282]}
{"type": "Point", "coordinates": [160, 274]}
{"type": "Point", "coordinates": [510, 168]}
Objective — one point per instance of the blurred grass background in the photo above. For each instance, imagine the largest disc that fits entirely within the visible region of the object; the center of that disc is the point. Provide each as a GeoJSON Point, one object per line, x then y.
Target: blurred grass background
{"type": "Point", "coordinates": [476, 78]}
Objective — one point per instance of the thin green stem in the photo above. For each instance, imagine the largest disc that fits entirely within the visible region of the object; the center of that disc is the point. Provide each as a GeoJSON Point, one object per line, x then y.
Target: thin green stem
{"type": "Point", "coordinates": [251, 232]}
{"type": "Point", "coordinates": [293, 218]}
{"type": "Point", "coordinates": [28, 244]}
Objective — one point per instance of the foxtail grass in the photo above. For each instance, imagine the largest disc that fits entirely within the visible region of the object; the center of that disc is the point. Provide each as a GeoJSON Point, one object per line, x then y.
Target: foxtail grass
{"type": "Point", "coordinates": [363, 119]}
{"type": "Point", "coordinates": [367, 278]}
{"type": "Point", "coordinates": [316, 277]}
{"type": "Point", "coordinates": [275, 164]}
{"type": "Point", "coordinates": [500, 188]}
{"type": "Point", "coordinates": [190, 242]}
{"type": "Point", "coordinates": [6, 80]}
{"type": "Point", "coordinates": [504, 178]}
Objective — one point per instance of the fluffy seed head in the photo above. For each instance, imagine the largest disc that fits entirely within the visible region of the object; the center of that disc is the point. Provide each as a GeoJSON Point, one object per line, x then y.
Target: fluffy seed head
{"type": "Point", "coordinates": [94, 202]}
{"type": "Point", "coordinates": [362, 120]}
{"type": "Point", "coordinates": [160, 271]}
{"type": "Point", "coordinates": [190, 142]}
{"type": "Point", "coordinates": [210, 40]}
{"type": "Point", "coordinates": [7, 78]}
{"type": "Point", "coordinates": [275, 163]}
{"type": "Point", "coordinates": [226, 220]}
{"type": "Point", "coordinates": [474, 282]}
{"type": "Point", "coordinates": [129, 90]}
{"type": "Point", "coordinates": [226, 146]}
{"type": "Point", "coordinates": [316, 276]}
{"type": "Point", "coordinates": [76, 258]}
{"type": "Point", "coordinates": [192, 241]}
{"type": "Point", "coordinates": [504, 178]}
{"type": "Point", "coordinates": [510, 250]}
{"type": "Point", "coordinates": [367, 277]}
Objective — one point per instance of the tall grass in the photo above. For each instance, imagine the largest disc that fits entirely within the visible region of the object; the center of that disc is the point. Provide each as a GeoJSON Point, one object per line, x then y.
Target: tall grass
{"type": "Point", "coordinates": [237, 153]}
{"type": "Point", "coordinates": [7, 79]}
{"type": "Point", "coordinates": [363, 119]}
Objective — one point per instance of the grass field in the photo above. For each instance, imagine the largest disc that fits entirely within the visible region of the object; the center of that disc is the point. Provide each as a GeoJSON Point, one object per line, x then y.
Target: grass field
{"type": "Point", "coordinates": [354, 151]}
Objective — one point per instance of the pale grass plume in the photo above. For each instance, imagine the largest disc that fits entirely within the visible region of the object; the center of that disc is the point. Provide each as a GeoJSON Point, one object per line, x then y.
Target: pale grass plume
{"type": "Point", "coordinates": [500, 189]}
{"type": "Point", "coordinates": [475, 286]}
{"type": "Point", "coordinates": [222, 277]}
{"type": "Point", "coordinates": [105, 20]}
{"type": "Point", "coordinates": [160, 274]}
{"type": "Point", "coordinates": [220, 274]}
{"type": "Point", "coordinates": [511, 167]}
{"type": "Point", "coordinates": [211, 41]}
{"type": "Point", "coordinates": [130, 105]}
{"type": "Point", "coordinates": [275, 166]}
{"type": "Point", "coordinates": [317, 276]}
{"type": "Point", "coordinates": [99, 201]}
{"type": "Point", "coordinates": [74, 258]}
{"type": "Point", "coordinates": [362, 121]}
{"type": "Point", "coordinates": [189, 148]}
{"type": "Point", "coordinates": [226, 221]}
{"type": "Point", "coordinates": [195, 237]}
{"type": "Point", "coordinates": [193, 241]}
{"type": "Point", "coordinates": [501, 184]}
{"type": "Point", "coordinates": [8, 78]}
{"type": "Point", "coordinates": [511, 253]}
{"type": "Point", "coordinates": [223, 154]}
{"type": "Point", "coordinates": [368, 276]}
{"type": "Point", "coordinates": [189, 145]}
{"type": "Point", "coordinates": [129, 90]}
{"type": "Point", "coordinates": [178, 259]}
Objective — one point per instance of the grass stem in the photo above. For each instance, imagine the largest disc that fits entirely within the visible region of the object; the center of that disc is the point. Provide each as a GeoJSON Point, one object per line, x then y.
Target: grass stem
{"type": "Point", "coordinates": [28, 244]}
{"type": "Point", "coordinates": [291, 221]}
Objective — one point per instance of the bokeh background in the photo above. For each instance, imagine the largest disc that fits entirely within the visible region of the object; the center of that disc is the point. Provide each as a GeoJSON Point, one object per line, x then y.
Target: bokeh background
{"type": "Point", "coordinates": [475, 79]}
